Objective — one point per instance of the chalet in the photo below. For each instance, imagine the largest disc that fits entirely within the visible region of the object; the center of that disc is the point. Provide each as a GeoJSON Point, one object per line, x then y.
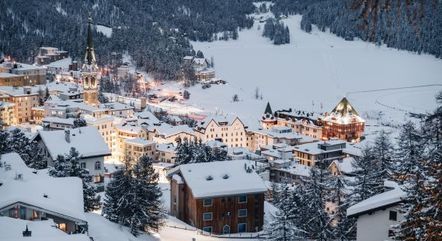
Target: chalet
{"type": "Point", "coordinates": [377, 215]}
{"type": "Point", "coordinates": [343, 122]}
{"type": "Point", "coordinates": [218, 197]}
{"type": "Point", "coordinates": [32, 195]}
{"type": "Point", "coordinates": [54, 143]}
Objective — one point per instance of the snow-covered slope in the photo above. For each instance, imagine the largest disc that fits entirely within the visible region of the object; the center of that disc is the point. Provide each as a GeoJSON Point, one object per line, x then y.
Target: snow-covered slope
{"type": "Point", "coordinates": [316, 70]}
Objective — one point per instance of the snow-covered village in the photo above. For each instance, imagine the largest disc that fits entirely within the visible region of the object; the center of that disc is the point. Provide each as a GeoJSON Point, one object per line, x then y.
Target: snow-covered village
{"type": "Point", "coordinates": [188, 120]}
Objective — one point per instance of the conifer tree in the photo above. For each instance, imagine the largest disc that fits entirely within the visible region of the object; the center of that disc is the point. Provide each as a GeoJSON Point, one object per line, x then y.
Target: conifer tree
{"type": "Point", "coordinates": [344, 228]}
{"type": "Point", "coordinates": [368, 180]}
{"type": "Point", "coordinates": [318, 223]}
{"type": "Point", "coordinates": [383, 153]}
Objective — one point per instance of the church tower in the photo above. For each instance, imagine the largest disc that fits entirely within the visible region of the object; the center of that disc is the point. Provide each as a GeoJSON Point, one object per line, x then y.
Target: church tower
{"type": "Point", "coordinates": [268, 119]}
{"type": "Point", "coordinates": [90, 71]}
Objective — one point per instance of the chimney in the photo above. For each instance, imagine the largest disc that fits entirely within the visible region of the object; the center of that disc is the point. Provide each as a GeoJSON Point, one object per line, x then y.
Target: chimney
{"type": "Point", "coordinates": [67, 135]}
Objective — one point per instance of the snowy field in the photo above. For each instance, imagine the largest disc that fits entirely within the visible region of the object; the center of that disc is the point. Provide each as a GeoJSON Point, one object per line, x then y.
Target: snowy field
{"type": "Point", "coordinates": [314, 72]}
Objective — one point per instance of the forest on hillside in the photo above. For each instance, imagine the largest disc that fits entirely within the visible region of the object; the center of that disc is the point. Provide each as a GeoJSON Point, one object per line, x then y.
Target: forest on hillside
{"type": "Point", "coordinates": [414, 25]}
{"type": "Point", "coordinates": [156, 33]}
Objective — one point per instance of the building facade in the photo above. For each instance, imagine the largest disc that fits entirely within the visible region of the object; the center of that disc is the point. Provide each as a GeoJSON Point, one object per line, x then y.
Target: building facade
{"type": "Point", "coordinates": [207, 196]}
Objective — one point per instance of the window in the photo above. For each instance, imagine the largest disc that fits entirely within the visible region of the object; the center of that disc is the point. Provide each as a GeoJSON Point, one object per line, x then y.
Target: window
{"type": "Point", "coordinates": [207, 202]}
{"type": "Point", "coordinates": [207, 229]}
{"type": "Point", "coordinates": [97, 165]}
{"type": "Point", "coordinates": [207, 216]}
{"type": "Point", "coordinates": [393, 215]}
{"type": "Point", "coordinates": [242, 213]}
{"type": "Point", "coordinates": [242, 199]}
{"type": "Point", "coordinates": [242, 227]}
{"type": "Point", "coordinates": [83, 165]}
{"type": "Point", "coordinates": [226, 229]}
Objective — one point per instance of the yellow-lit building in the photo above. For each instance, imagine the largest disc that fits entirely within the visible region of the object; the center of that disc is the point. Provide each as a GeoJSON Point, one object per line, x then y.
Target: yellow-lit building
{"type": "Point", "coordinates": [6, 113]}
{"type": "Point", "coordinates": [23, 99]}
{"type": "Point", "coordinates": [137, 147]}
{"type": "Point", "coordinates": [126, 131]}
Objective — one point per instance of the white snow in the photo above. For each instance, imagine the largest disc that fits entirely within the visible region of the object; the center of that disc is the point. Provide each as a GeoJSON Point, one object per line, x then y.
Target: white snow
{"type": "Point", "coordinates": [238, 181]}
{"type": "Point", "coordinates": [80, 138]}
{"type": "Point", "coordinates": [315, 70]}
{"type": "Point", "coordinates": [377, 201]}
{"type": "Point", "coordinates": [106, 31]}
{"type": "Point", "coordinates": [11, 230]}
{"type": "Point", "coordinates": [64, 194]}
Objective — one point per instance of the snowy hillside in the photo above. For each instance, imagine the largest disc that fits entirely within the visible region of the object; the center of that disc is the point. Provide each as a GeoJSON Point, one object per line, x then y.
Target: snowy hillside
{"type": "Point", "coordinates": [316, 69]}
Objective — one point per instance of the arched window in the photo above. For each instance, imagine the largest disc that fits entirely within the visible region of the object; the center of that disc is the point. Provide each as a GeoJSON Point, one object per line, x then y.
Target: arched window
{"type": "Point", "coordinates": [97, 165]}
{"type": "Point", "coordinates": [226, 229]}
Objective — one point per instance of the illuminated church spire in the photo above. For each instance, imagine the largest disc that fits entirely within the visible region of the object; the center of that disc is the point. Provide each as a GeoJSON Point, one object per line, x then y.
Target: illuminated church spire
{"type": "Point", "coordinates": [90, 71]}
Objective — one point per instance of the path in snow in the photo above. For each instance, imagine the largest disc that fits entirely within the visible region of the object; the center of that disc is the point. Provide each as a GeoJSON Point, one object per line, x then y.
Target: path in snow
{"type": "Point", "coordinates": [315, 70]}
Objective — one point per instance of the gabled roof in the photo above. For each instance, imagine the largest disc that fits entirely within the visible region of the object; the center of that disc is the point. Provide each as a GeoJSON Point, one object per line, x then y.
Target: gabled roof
{"type": "Point", "coordinates": [268, 109]}
{"type": "Point", "coordinates": [87, 140]}
{"type": "Point", "coordinates": [377, 201]}
{"type": "Point", "coordinates": [221, 178]}
{"type": "Point", "coordinates": [344, 108]}
{"type": "Point", "coordinates": [64, 195]}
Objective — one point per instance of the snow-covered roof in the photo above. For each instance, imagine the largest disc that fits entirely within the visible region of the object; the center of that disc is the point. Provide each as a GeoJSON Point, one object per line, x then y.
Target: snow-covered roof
{"type": "Point", "coordinates": [169, 130]}
{"type": "Point", "coordinates": [343, 113]}
{"type": "Point", "coordinates": [87, 140]}
{"type": "Point", "coordinates": [377, 201]}
{"type": "Point", "coordinates": [53, 119]}
{"type": "Point", "coordinates": [64, 194]}
{"type": "Point", "coordinates": [293, 167]}
{"type": "Point", "coordinates": [316, 148]}
{"type": "Point", "coordinates": [166, 148]}
{"type": "Point", "coordinates": [139, 141]}
{"type": "Point", "coordinates": [62, 63]}
{"type": "Point", "coordinates": [224, 119]}
{"type": "Point", "coordinates": [129, 128]}
{"type": "Point", "coordinates": [11, 230]}
{"type": "Point", "coordinates": [221, 178]}
{"type": "Point", "coordinates": [345, 165]}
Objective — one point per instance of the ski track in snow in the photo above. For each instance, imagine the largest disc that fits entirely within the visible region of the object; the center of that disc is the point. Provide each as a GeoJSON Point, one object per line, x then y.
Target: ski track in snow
{"type": "Point", "coordinates": [316, 69]}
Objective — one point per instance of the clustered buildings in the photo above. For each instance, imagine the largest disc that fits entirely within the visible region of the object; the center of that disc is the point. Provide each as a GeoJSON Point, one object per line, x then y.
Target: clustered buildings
{"type": "Point", "coordinates": [217, 197]}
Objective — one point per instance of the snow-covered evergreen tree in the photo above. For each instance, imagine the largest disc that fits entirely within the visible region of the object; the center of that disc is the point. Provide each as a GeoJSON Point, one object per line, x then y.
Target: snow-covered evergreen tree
{"type": "Point", "coordinates": [318, 223]}
{"type": "Point", "coordinates": [116, 200]}
{"type": "Point", "coordinates": [383, 152]}
{"type": "Point", "coordinates": [420, 173]}
{"type": "Point", "coordinates": [283, 227]}
{"type": "Point", "coordinates": [69, 166]}
{"type": "Point", "coordinates": [147, 207]}
{"type": "Point", "coordinates": [133, 198]}
{"type": "Point", "coordinates": [344, 228]}
{"type": "Point", "coordinates": [368, 178]}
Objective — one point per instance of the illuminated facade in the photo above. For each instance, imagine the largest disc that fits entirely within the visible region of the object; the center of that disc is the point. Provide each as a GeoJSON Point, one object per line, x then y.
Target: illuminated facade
{"type": "Point", "coordinates": [90, 71]}
{"type": "Point", "coordinates": [343, 122]}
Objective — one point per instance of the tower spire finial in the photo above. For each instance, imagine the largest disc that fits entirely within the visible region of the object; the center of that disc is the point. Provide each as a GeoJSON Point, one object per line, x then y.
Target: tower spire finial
{"type": "Point", "coordinates": [90, 54]}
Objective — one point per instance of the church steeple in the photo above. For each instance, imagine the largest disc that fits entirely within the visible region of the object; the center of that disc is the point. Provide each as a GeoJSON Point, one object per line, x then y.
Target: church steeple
{"type": "Point", "coordinates": [90, 71]}
{"type": "Point", "coordinates": [90, 53]}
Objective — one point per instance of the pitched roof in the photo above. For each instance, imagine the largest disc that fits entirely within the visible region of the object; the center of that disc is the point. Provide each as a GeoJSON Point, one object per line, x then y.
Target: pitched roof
{"type": "Point", "coordinates": [344, 108]}
{"type": "Point", "coordinates": [64, 194]}
{"type": "Point", "coordinates": [268, 109]}
{"type": "Point", "coordinates": [377, 201]}
{"type": "Point", "coordinates": [221, 178]}
{"type": "Point", "coordinates": [87, 140]}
